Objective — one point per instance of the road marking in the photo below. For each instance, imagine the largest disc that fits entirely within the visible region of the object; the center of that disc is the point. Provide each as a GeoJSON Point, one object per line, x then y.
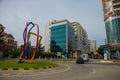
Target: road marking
{"type": "Point", "coordinates": [5, 74]}
{"type": "Point", "coordinates": [10, 68]}
{"type": "Point", "coordinates": [21, 69]}
{"type": "Point", "coordinates": [93, 72]}
{"type": "Point", "coordinates": [31, 68]}
{"type": "Point", "coordinates": [40, 68]}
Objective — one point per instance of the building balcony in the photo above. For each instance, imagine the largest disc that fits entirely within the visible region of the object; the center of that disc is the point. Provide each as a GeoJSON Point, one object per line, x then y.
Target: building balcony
{"type": "Point", "coordinates": [115, 1]}
{"type": "Point", "coordinates": [108, 13]}
{"type": "Point", "coordinates": [116, 10]}
{"type": "Point", "coordinates": [116, 4]}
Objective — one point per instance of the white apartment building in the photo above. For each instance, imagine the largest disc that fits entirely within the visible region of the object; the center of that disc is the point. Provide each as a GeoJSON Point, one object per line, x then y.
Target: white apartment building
{"type": "Point", "coordinates": [92, 46]}
{"type": "Point", "coordinates": [47, 37]}
{"type": "Point", "coordinates": [81, 37]}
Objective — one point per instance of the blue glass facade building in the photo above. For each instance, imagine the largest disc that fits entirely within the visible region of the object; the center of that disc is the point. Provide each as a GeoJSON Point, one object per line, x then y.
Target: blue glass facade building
{"type": "Point", "coordinates": [111, 10]}
{"type": "Point", "coordinates": [62, 38]}
{"type": "Point", "coordinates": [113, 31]}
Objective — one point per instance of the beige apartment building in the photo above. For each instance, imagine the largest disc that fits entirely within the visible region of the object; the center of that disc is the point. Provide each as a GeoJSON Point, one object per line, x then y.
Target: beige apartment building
{"type": "Point", "coordinates": [81, 37]}
{"type": "Point", "coordinates": [92, 44]}
{"type": "Point", "coordinates": [9, 41]}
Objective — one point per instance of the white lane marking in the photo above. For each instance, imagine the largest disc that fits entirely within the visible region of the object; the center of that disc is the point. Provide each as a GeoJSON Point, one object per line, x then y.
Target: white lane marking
{"type": "Point", "coordinates": [93, 71]}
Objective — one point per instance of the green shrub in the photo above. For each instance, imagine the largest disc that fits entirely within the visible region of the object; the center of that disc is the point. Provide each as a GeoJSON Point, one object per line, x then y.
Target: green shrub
{"type": "Point", "coordinates": [16, 53]}
{"type": "Point", "coordinates": [48, 55]}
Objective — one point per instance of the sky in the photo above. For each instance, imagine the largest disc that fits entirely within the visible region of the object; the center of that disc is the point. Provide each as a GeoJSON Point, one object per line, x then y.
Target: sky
{"type": "Point", "coordinates": [89, 13]}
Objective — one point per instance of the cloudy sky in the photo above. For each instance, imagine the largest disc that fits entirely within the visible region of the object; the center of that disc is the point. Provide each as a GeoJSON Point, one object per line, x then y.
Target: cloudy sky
{"type": "Point", "coordinates": [15, 13]}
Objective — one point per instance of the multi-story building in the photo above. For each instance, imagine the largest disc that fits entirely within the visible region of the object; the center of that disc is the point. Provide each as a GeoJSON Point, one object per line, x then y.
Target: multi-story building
{"type": "Point", "coordinates": [81, 37]}
{"type": "Point", "coordinates": [93, 47]}
{"type": "Point", "coordinates": [1, 36]}
{"type": "Point", "coordinates": [47, 37]}
{"type": "Point", "coordinates": [1, 29]}
{"type": "Point", "coordinates": [7, 41]}
{"type": "Point", "coordinates": [59, 36]}
{"type": "Point", "coordinates": [111, 10]}
{"type": "Point", "coordinates": [63, 36]}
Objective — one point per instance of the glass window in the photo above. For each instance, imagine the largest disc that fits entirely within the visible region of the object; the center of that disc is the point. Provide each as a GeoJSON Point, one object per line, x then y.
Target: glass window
{"type": "Point", "coordinates": [58, 38]}
{"type": "Point", "coordinates": [113, 31]}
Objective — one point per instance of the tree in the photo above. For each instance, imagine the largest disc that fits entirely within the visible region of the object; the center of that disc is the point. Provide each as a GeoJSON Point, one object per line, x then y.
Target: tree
{"type": "Point", "coordinates": [16, 52]}
{"type": "Point", "coordinates": [100, 50]}
{"type": "Point", "coordinates": [1, 40]}
{"type": "Point", "coordinates": [1, 36]}
{"type": "Point", "coordinates": [48, 55]}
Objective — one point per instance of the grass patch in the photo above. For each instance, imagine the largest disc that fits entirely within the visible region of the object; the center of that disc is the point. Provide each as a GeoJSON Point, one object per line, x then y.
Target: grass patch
{"type": "Point", "coordinates": [26, 65]}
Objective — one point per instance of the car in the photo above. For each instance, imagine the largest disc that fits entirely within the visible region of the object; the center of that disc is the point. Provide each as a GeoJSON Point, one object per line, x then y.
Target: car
{"type": "Point", "coordinates": [95, 57]}
{"type": "Point", "coordinates": [84, 56]}
{"type": "Point", "coordinates": [79, 60]}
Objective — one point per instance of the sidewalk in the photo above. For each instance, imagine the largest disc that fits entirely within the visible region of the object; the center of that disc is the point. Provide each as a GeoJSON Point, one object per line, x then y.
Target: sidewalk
{"type": "Point", "coordinates": [105, 61]}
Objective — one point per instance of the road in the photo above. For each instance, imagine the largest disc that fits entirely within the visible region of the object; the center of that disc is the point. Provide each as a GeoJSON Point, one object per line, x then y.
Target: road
{"type": "Point", "coordinates": [70, 71]}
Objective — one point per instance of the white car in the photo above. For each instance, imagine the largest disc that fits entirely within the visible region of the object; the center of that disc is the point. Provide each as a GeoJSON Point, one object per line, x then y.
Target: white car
{"type": "Point", "coordinates": [85, 57]}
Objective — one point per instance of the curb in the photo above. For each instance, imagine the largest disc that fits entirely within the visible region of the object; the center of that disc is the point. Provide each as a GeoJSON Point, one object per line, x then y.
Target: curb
{"type": "Point", "coordinates": [116, 60]}
{"type": "Point", "coordinates": [58, 69]}
{"type": "Point", "coordinates": [106, 61]}
{"type": "Point", "coordinates": [28, 68]}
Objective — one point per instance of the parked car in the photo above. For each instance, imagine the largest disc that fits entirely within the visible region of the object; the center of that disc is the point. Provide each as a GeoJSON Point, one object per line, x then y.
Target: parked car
{"type": "Point", "coordinates": [79, 60]}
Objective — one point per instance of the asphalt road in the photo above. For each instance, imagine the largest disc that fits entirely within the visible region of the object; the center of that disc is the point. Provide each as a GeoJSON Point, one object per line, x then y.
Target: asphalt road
{"type": "Point", "coordinates": [71, 71]}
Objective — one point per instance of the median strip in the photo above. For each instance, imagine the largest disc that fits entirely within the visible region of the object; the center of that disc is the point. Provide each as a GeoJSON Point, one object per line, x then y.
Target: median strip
{"type": "Point", "coordinates": [5, 74]}
{"type": "Point", "coordinates": [26, 66]}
